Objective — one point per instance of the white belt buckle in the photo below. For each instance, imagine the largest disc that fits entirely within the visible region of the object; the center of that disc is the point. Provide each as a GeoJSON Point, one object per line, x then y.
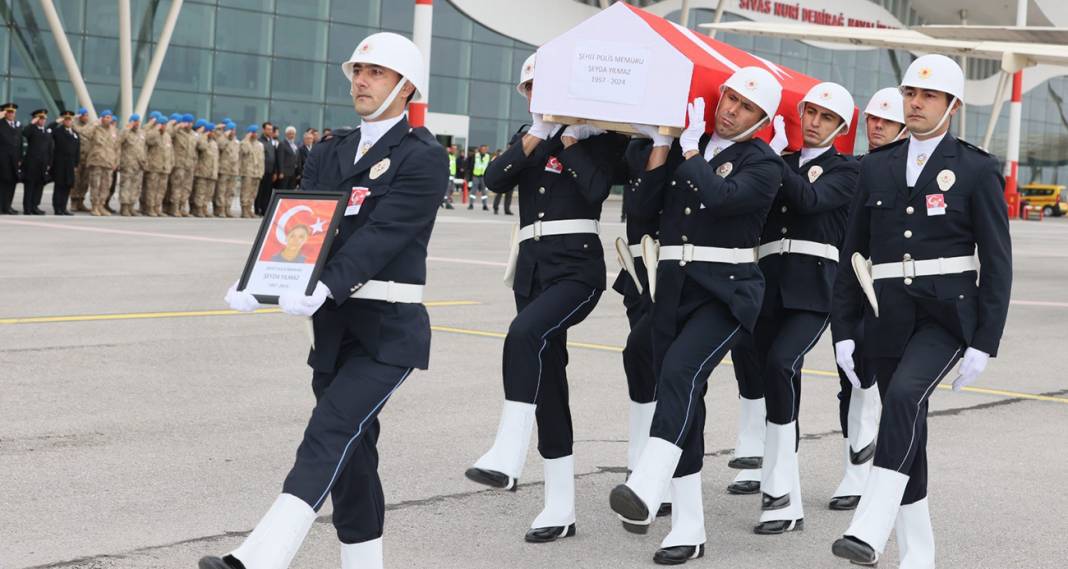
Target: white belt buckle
{"type": "Point", "coordinates": [941, 266]}
{"type": "Point", "coordinates": [908, 268]}
{"type": "Point", "coordinates": [785, 246]}
{"type": "Point", "coordinates": [537, 230]}
{"type": "Point", "coordinates": [389, 293]}
{"type": "Point", "coordinates": [687, 253]}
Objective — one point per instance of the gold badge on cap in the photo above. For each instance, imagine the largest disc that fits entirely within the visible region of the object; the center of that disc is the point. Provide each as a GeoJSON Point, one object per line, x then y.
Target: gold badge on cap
{"type": "Point", "coordinates": [946, 179]}
{"type": "Point", "coordinates": [814, 173]}
{"type": "Point", "coordinates": [379, 168]}
{"type": "Point", "coordinates": [725, 170]}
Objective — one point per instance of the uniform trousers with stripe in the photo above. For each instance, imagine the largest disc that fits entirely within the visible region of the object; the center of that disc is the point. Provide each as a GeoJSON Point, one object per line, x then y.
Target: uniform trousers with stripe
{"type": "Point", "coordinates": [689, 342]}
{"type": "Point", "coordinates": [338, 455]}
{"type": "Point", "coordinates": [774, 354]}
{"type": "Point", "coordinates": [906, 384]}
{"type": "Point", "coordinates": [535, 357]}
{"type": "Point", "coordinates": [638, 353]}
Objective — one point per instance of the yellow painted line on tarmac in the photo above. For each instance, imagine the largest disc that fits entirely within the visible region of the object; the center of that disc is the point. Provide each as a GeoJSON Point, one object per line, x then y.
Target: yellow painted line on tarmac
{"type": "Point", "coordinates": [815, 372]}
{"type": "Point", "coordinates": [178, 314]}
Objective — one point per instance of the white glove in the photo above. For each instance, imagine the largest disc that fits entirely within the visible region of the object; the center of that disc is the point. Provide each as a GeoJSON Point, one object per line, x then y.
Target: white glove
{"type": "Point", "coordinates": [843, 354]}
{"type": "Point", "coordinates": [241, 300]}
{"type": "Point", "coordinates": [653, 132]}
{"type": "Point", "coordinates": [778, 141]}
{"type": "Point", "coordinates": [582, 131]}
{"type": "Point", "coordinates": [540, 128]}
{"type": "Point", "coordinates": [971, 366]}
{"type": "Point", "coordinates": [297, 304]}
{"type": "Point", "coordinates": [691, 137]}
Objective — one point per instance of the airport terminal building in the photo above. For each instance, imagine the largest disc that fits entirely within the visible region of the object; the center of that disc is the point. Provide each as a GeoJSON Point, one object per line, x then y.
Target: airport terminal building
{"type": "Point", "coordinates": [256, 60]}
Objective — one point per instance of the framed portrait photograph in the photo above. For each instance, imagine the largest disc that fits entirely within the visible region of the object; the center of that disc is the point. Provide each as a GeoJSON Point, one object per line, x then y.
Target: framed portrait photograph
{"type": "Point", "coordinates": [292, 243]}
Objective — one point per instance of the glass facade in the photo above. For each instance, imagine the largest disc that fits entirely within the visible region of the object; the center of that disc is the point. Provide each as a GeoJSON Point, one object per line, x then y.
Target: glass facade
{"type": "Point", "coordinates": [257, 60]}
{"type": "Point", "coordinates": [277, 60]}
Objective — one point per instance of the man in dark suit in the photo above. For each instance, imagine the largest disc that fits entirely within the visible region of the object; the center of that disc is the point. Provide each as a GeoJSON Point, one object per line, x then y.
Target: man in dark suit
{"type": "Point", "coordinates": [288, 160]}
{"type": "Point", "coordinates": [564, 176]}
{"type": "Point", "coordinates": [64, 161]}
{"type": "Point", "coordinates": [798, 256]}
{"type": "Point", "coordinates": [37, 162]}
{"type": "Point", "coordinates": [303, 153]}
{"type": "Point", "coordinates": [707, 289]}
{"type": "Point", "coordinates": [10, 157]}
{"type": "Point", "coordinates": [925, 209]}
{"type": "Point", "coordinates": [371, 329]}
{"type": "Point", "coordinates": [270, 168]}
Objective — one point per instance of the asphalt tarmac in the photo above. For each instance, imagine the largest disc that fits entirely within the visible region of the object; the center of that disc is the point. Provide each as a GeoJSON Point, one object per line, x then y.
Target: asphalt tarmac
{"type": "Point", "coordinates": [143, 425]}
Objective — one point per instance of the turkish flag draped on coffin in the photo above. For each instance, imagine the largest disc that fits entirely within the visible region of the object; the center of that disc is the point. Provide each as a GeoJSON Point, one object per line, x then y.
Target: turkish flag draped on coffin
{"type": "Point", "coordinates": [625, 65]}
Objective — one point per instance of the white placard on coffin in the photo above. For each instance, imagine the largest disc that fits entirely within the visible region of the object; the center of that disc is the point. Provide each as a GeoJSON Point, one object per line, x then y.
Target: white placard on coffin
{"type": "Point", "coordinates": [614, 68]}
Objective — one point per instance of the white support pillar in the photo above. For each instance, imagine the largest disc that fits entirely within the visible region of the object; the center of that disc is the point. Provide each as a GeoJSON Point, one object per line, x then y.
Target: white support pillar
{"type": "Point", "coordinates": [157, 58]}
{"type": "Point", "coordinates": [962, 117]}
{"type": "Point", "coordinates": [125, 64]}
{"type": "Point", "coordinates": [67, 54]}
{"type": "Point", "coordinates": [422, 29]}
{"type": "Point", "coordinates": [718, 18]}
{"type": "Point", "coordinates": [684, 14]}
{"type": "Point", "coordinates": [995, 111]}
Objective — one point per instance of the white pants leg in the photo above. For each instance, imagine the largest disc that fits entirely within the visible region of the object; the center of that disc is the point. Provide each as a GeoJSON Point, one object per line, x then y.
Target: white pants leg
{"type": "Point", "coordinates": [365, 555]}
{"type": "Point", "coordinates": [687, 512]}
{"type": "Point", "coordinates": [915, 537]}
{"type": "Point", "coordinates": [652, 474]}
{"type": "Point", "coordinates": [509, 451]}
{"type": "Point", "coordinates": [559, 494]}
{"type": "Point", "coordinates": [751, 419]}
{"type": "Point", "coordinates": [641, 420]}
{"type": "Point", "coordinates": [878, 507]}
{"type": "Point", "coordinates": [275, 540]}
{"type": "Point", "coordinates": [854, 478]}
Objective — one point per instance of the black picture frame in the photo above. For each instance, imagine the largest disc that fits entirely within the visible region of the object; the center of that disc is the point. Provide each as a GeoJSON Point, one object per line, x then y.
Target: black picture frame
{"type": "Point", "coordinates": [337, 199]}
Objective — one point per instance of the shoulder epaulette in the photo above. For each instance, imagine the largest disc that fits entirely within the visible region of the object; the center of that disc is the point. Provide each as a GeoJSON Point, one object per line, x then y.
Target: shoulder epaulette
{"type": "Point", "coordinates": [341, 132]}
{"type": "Point", "coordinates": [894, 144]}
{"type": "Point", "coordinates": [978, 149]}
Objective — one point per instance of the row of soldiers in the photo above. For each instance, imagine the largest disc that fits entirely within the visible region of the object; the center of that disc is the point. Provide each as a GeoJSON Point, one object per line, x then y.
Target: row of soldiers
{"type": "Point", "coordinates": [168, 165]}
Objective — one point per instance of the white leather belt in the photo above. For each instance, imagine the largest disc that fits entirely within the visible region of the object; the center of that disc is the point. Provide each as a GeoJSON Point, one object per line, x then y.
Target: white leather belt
{"type": "Point", "coordinates": [690, 253]}
{"type": "Point", "coordinates": [540, 229]}
{"type": "Point", "coordinates": [911, 268]}
{"type": "Point", "coordinates": [798, 247]}
{"type": "Point", "coordinates": [390, 291]}
{"type": "Point", "coordinates": [636, 251]}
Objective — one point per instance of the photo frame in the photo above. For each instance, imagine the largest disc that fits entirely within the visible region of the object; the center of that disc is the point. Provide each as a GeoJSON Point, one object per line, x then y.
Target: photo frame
{"type": "Point", "coordinates": [292, 243]}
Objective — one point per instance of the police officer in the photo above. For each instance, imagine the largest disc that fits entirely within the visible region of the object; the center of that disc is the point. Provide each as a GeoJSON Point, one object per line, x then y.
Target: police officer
{"type": "Point", "coordinates": [707, 289]}
{"type": "Point", "coordinates": [180, 187]}
{"type": "Point", "coordinates": [798, 256]}
{"type": "Point", "coordinates": [446, 201]}
{"type": "Point", "coordinates": [132, 164]}
{"type": "Point", "coordinates": [479, 161]}
{"type": "Point", "coordinates": [858, 411]}
{"type": "Point", "coordinates": [925, 207]}
{"type": "Point", "coordinates": [252, 170]}
{"type": "Point", "coordinates": [371, 329]}
{"type": "Point", "coordinates": [82, 124]}
{"type": "Point", "coordinates": [229, 168]}
{"type": "Point", "coordinates": [37, 162]}
{"type": "Point", "coordinates": [207, 169]}
{"type": "Point", "coordinates": [67, 146]}
{"type": "Point", "coordinates": [564, 176]}
{"type": "Point", "coordinates": [159, 162]}
{"type": "Point", "coordinates": [10, 157]}
{"type": "Point", "coordinates": [103, 160]}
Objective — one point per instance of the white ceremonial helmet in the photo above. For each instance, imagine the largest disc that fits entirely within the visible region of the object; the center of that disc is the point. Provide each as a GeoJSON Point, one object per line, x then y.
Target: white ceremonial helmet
{"type": "Point", "coordinates": [392, 51]}
{"type": "Point", "coordinates": [760, 87]}
{"type": "Point", "coordinates": [834, 98]}
{"type": "Point", "coordinates": [936, 73]}
{"type": "Point", "coordinates": [526, 73]}
{"type": "Point", "coordinates": [887, 104]}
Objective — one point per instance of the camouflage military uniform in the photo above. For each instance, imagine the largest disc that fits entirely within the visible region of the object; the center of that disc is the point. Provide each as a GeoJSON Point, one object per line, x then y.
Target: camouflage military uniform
{"type": "Point", "coordinates": [181, 180]}
{"type": "Point", "coordinates": [131, 168]}
{"type": "Point", "coordinates": [206, 174]}
{"type": "Point", "coordinates": [229, 169]}
{"type": "Point", "coordinates": [252, 169]}
{"type": "Point", "coordinates": [81, 174]}
{"type": "Point", "coordinates": [103, 159]}
{"type": "Point", "coordinates": [158, 166]}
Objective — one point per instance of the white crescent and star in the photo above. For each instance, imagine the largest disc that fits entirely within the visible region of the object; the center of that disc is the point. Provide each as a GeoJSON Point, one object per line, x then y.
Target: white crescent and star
{"type": "Point", "coordinates": [280, 228]}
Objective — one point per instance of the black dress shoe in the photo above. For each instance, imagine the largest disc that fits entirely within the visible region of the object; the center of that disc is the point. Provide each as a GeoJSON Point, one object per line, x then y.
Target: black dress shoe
{"type": "Point", "coordinates": [65, 212]}
{"type": "Point", "coordinates": [678, 555]}
{"type": "Point", "coordinates": [547, 534]}
{"type": "Point", "coordinates": [768, 502]}
{"type": "Point", "coordinates": [631, 509]}
{"type": "Point", "coordinates": [744, 487]}
{"type": "Point", "coordinates": [11, 211]}
{"type": "Point", "coordinates": [227, 562]}
{"type": "Point", "coordinates": [863, 455]}
{"type": "Point", "coordinates": [776, 527]}
{"type": "Point", "coordinates": [665, 510]}
{"type": "Point", "coordinates": [842, 503]}
{"type": "Point", "coordinates": [492, 478]}
{"type": "Point", "coordinates": [39, 212]}
{"type": "Point", "coordinates": [506, 212]}
{"type": "Point", "coordinates": [856, 551]}
{"type": "Point", "coordinates": [746, 463]}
